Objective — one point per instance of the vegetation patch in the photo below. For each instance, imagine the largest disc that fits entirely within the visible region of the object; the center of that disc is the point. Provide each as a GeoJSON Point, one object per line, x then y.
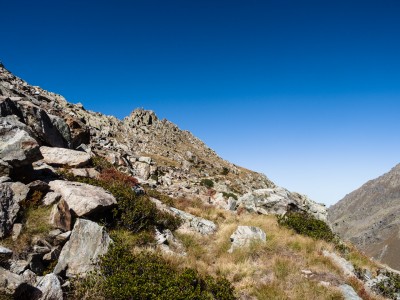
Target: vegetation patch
{"type": "Point", "coordinates": [389, 287]}
{"type": "Point", "coordinates": [306, 224]}
{"type": "Point", "coordinates": [144, 275]}
{"type": "Point", "coordinates": [208, 183]}
{"type": "Point", "coordinates": [229, 195]}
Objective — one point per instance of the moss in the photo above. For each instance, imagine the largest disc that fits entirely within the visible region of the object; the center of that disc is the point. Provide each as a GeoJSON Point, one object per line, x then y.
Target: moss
{"type": "Point", "coordinates": [306, 224]}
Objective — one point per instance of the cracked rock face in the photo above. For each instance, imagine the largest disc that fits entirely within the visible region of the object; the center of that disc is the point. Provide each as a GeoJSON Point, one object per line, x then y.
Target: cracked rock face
{"type": "Point", "coordinates": [79, 255]}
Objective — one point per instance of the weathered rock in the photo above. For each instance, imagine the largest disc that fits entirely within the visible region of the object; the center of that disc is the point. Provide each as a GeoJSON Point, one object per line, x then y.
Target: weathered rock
{"type": "Point", "coordinates": [349, 293]}
{"type": "Point", "coordinates": [60, 216]}
{"type": "Point", "coordinates": [52, 255]}
{"type": "Point", "coordinates": [16, 231]}
{"type": "Point", "coordinates": [19, 266]}
{"type": "Point", "coordinates": [29, 277]}
{"type": "Point", "coordinates": [62, 128]}
{"type": "Point", "coordinates": [5, 169]}
{"type": "Point", "coordinates": [50, 287]}
{"type": "Point", "coordinates": [41, 124]}
{"type": "Point", "coordinates": [9, 107]}
{"type": "Point", "coordinates": [80, 133]}
{"type": "Point", "coordinates": [346, 266]}
{"type": "Point", "coordinates": [83, 199]}
{"type": "Point", "coordinates": [17, 147]}
{"type": "Point", "coordinates": [9, 282]}
{"type": "Point", "coordinates": [142, 170]}
{"type": "Point", "coordinates": [244, 235]}
{"type": "Point", "coordinates": [198, 224]}
{"type": "Point", "coordinates": [85, 172]}
{"type": "Point", "coordinates": [62, 238]}
{"type": "Point", "coordinates": [279, 201]}
{"type": "Point", "coordinates": [62, 156]}
{"type": "Point", "coordinates": [51, 198]}
{"type": "Point", "coordinates": [36, 263]}
{"type": "Point", "coordinates": [87, 242]}
{"type": "Point", "coordinates": [11, 194]}
{"type": "Point", "coordinates": [39, 186]}
{"type": "Point", "coordinates": [145, 159]}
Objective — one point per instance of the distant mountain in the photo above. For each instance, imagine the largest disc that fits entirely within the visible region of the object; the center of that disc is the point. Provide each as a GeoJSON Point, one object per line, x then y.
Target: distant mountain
{"type": "Point", "coordinates": [370, 218]}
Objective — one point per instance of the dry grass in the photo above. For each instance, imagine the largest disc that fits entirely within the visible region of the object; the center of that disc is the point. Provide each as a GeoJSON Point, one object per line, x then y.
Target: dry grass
{"type": "Point", "coordinates": [270, 270]}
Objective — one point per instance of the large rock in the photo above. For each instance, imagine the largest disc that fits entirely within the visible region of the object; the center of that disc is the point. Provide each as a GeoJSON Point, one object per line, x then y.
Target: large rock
{"type": "Point", "coordinates": [79, 255]}
{"type": "Point", "coordinates": [42, 125]}
{"type": "Point", "coordinates": [9, 282]}
{"type": "Point", "coordinates": [9, 107]}
{"type": "Point", "coordinates": [348, 292]}
{"type": "Point", "coordinates": [62, 156]}
{"type": "Point", "coordinates": [279, 201]}
{"type": "Point", "coordinates": [244, 235]}
{"type": "Point", "coordinates": [83, 199]}
{"type": "Point", "coordinates": [17, 147]}
{"type": "Point", "coordinates": [142, 170]}
{"type": "Point", "coordinates": [11, 194]}
{"type": "Point", "coordinates": [50, 287]}
{"type": "Point", "coordinates": [198, 224]}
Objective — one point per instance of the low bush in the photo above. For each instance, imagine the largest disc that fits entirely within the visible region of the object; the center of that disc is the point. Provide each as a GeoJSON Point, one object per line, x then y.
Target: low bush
{"type": "Point", "coordinates": [225, 171]}
{"type": "Point", "coordinates": [305, 224]}
{"type": "Point", "coordinates": [145, 275]}
{"type": "Point", "coordinates": [208, 183]}
{"type": "Point", "coordinates": [390, 287]}
{"type": "Point", "coordinates": [229, 195]}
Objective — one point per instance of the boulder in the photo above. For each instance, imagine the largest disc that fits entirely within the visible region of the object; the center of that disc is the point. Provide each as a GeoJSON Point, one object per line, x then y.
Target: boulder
{"type": "Point", "coordinates": [85, 172]}
{"type": "Point", "coordinates": [244, 235]}
{"type": "Point", "coordinates": [79, 255]}
{"type": "Point", "coordinates": [83, 199]}
{"type": "Point", "coordinates": [62, 128]}
{"type": "Point", "coordinates": [346, 266]}
{"type": "Point", "coordinates": [9, 282]}
{"type": "Point", "coordinates": [142, 170]}
{"type": "Point", "coordinates": [50, 287]}
{"type": "Point", "coordinates": [9, 107]}
{"type": "Point", "coordinates": [198, 224]}
{"type": "Point", "coordinates": [60, 216]}
{"type": "Point", "coordinates": [80, 133]}
{"type": "Point", "coordinates": [348, 292]}
{"type": "Point", "coordinates": [16, 231]}
{"type": "Point", "coordinates": [145, 159]}
{"type": "Point", "coordinates": [51, 198]}
{"type": "Point", "coordinates": [17, 147]}
{"type": "Point", "coordinates": [280, 201]}
{"type": "Point", "coordinates": [11, 194]}
{"type": "Point", "coordinates": [62, 156]}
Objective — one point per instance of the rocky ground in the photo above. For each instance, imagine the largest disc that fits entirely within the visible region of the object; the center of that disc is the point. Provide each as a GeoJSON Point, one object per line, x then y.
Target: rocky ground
{"type": "Point", "coordinates": [56, 200]}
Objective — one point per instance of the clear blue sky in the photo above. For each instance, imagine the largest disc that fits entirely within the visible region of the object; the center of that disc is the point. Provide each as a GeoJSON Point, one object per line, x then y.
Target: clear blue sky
{"type": "Point", "coordinates": [307, 92]}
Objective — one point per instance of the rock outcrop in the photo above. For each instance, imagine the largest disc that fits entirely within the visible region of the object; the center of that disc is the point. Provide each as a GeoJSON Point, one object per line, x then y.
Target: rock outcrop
{"type": "Point", "coordinates": [79, 255]}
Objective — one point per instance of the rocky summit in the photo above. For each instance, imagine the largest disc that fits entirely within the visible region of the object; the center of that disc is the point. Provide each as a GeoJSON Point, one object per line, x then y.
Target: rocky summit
{"type": "Point", "coordinates": [370, 218]}
{"type": "Point", "coordinates": [93, 207]}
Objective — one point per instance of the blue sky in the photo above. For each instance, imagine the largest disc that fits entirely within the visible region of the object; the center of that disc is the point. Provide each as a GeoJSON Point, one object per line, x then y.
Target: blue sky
{"type": "Point", "coordinates": [306, 92]}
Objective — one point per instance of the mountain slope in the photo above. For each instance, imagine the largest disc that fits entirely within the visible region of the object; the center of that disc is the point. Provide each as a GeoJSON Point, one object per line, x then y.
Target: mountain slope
{"type": "Point", "coordinates": [370, 217]}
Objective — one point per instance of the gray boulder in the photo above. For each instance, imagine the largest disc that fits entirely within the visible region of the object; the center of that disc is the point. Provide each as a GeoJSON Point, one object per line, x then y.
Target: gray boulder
{"type": "Point", "coordinates": [50, 287]}
{"type": "Point", "coordinates": [198, 224]}
{"type": "Point", "coordinates": [17, 147]}
{"type": "Point", "coordinates": [79, 255]}
{"type": "Point", "coordinates": [83, 199]}
{"type": "Point", "coordinates": [348, 292]}
{"type": "Point", "coordinates": [62, 156]}
{"type": "Point", "coordinates": [9, 282]}
{"type": "Point", "coordinates": [11, 194]}
{"type": "Point", "coordinates": [244, 235]}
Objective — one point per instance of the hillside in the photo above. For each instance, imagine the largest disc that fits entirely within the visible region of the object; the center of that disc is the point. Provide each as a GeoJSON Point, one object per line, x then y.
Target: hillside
{"type": "Point", "coordinates": [369, 217]}
{"type": "Point", "coordinates": [92, 207]}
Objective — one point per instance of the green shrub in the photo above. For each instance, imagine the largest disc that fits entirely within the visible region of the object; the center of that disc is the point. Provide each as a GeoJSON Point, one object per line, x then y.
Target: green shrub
{"type": "Point", "coordinates": [162, 197]}
{"type": "Point", "coordinates": [133, 212]}
{"type": "Point", "coordinates": [145, 275]}
{"type": "Point", "coordinates": [225, 171]}
{"type": "Point", "coordinates": [390, 287]}
{"type": "Point", "coordinates": [208, 183]}
{"type": "Point", "coordinates": [306, 224]}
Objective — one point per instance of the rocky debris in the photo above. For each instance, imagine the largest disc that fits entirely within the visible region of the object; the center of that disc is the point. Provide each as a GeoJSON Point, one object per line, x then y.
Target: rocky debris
{"type": "Point", "coordinates": [64, 157]}
{"type": "Point", "coordinates": [83, 199]}
{"type": "Point", "coordinates": [5, 255]}
{"type": "Point", "coordinates": [279, 201]}
{"type": "Point", "coordinates": [51, 198]}
{"type": "Point", "coordinates": [346, 266]}
{"type": "Point", "coordinates": [11, 194]}
{"type": "Point", "coordinates": [19, 266]}
{"type": "Point", "coordinates": [50, 287]}
{"type": "Point", "coordinates": [16, 231]}
{"type": "Point", "coordinates": [60, 216]}
{"type": "Point", "coordinates": [79, 255]}
{"type": "Point", "coordinates": [244, 235]}
{"type": "Point", "coordinates": [17, 147]}
{"type": "Point", "coordinates": [349, 293]}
